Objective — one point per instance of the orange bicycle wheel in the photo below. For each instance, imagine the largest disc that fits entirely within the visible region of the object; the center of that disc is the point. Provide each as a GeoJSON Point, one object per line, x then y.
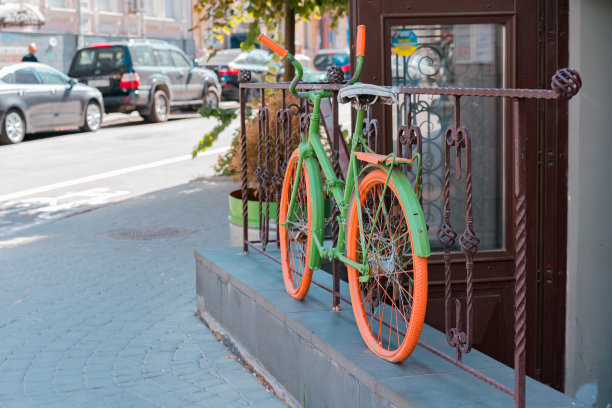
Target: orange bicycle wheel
{"type": "Point", "coordinates": [390, 307]}
{"type": "Point", "coordinates": [295, 239]}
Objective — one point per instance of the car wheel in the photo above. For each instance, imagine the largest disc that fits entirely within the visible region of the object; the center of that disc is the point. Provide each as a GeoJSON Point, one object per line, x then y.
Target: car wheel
{"type": "Point", "coordinates": [160, 108]}
{"type": "Point", "coordinates": [93, 117]}
{"type": "Point", "coordinates": [13, 127]}
{"type": "Point", "coordinates": [211, 99]}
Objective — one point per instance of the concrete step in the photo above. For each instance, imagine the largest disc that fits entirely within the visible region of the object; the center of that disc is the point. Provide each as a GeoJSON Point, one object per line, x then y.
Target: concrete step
{"type": "Point", "coordinates": [318, 355]}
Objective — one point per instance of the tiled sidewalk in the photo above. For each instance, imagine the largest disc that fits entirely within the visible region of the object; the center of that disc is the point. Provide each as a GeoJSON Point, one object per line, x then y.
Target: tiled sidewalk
{"type": "Point", "coordinates": [94, 321]}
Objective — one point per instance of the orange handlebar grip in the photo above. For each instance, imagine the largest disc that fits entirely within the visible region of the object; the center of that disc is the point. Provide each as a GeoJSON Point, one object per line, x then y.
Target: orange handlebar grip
{"type": "Point", "coordinates": [360, 40]}
{"type": "Point", "coordinates": [272, 45]}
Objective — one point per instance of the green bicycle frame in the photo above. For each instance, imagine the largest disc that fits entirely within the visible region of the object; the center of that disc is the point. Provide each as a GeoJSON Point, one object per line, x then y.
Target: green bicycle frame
{"type": "Point", "coordinates": [312, 148]}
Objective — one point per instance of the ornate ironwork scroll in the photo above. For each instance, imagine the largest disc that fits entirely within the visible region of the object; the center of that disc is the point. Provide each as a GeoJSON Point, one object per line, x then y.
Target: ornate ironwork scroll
{"type": "Point", "coordinates": [408, 136]}
{"type": "Point", "coordinates": [277, 178]}
{"type": "Point", "coordinates": [262, 173]}
{"type": "Point", "coordinates": [304, 117]}
{"type": "Point", "coordinates": [371, 130]}
{"type": "Point", "coordinates": [284, 144]}
{"type": "Point", "coordinates": [458, 136]}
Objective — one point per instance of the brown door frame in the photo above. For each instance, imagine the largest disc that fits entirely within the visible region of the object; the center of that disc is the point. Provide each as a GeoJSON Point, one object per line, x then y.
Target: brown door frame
{"type": "Point", "coordinates": [542, 45]}
{"type": "Point", "coordinates": [553, 25]}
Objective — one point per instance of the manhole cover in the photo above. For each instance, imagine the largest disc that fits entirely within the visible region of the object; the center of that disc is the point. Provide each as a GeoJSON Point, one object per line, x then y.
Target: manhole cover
{"type": "Point", "coordinates": [147, 233]}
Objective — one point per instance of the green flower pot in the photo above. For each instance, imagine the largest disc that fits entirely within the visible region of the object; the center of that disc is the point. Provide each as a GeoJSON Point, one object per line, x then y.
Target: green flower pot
{"type": "Point", "coordinates": [235, 209]}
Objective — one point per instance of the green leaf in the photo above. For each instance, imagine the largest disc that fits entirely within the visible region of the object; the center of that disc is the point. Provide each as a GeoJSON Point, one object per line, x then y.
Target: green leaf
{"type": "Point", "coordinates": [224, 118]}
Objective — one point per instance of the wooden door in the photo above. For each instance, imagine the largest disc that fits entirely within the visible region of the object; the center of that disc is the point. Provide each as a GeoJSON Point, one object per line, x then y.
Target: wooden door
{"type": "Point", "coordinates": [513, 44]}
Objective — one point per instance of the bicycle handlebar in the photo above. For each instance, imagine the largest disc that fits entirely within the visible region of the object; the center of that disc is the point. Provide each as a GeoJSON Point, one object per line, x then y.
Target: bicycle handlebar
{"type": "Point", "coordinates": [360, 50]}
{"type": "Point", "coordinates": [273, 45]}
{"type": "Point", "coordinates": [283, 53]}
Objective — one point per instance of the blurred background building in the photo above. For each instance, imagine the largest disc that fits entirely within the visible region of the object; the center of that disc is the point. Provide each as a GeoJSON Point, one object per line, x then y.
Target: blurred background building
{"type": "Point", "coordinates": [70, 24]}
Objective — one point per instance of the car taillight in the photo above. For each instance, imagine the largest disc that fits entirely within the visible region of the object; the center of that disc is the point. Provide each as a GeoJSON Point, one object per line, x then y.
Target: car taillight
{"type": "Point", "coordinates": [229, 71]}
{"type": "Point", "coordinates": [129, 80]}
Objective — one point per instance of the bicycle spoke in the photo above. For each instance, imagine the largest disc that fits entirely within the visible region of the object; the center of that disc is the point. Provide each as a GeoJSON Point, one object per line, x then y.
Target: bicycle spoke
{"type": "Point", "coordinates": [387, 296]}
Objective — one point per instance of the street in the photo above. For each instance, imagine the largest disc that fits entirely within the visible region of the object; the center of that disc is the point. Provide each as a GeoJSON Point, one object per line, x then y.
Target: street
{"type": "Point", "coordinates": [51, 175]}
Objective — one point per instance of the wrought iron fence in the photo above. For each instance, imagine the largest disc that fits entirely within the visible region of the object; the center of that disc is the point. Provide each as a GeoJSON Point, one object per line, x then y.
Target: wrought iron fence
{"type": "Point", "coordinates": [270, 172]}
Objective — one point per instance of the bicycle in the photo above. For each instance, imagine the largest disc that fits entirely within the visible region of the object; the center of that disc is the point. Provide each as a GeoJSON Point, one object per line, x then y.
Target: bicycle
{"type": "Point", "coordinates": [382, 236]}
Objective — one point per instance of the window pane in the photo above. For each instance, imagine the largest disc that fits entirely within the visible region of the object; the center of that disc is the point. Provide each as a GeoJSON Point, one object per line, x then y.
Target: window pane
{"type": "Point", "coordinates": [60, 3]}
{"type": "Point", "coordinates": [51, 77]}
{"type": "Point", "coordinates": [163, 58]}
{"type": "Point", "coordinates": [169, 9]}
{"type": "Point", "coordinates": [26, 76]}
{"type": "Point", "coordinates": [104, 59]}
{"type": "Point", "coordinates": [107, 5]}
{"type": "Point", "coordinates": [142, 56]}
{"type": "Point", "coordinates": [456, 56]}
{"type": "Point", "coordinates": [8, 79]}
{"type": "Point", "coordinates": [179, 60]}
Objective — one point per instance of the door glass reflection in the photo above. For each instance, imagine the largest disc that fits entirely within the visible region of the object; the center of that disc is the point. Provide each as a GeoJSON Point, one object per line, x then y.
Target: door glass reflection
{"type": "Point", "coordinates": [469, 55]}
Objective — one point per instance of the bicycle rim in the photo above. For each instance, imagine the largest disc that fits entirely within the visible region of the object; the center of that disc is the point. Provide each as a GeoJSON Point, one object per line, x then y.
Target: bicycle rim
{"type": "Point", "coordinates": [295, 239]}
{"type": "Point", "coordinates": [390, 308]}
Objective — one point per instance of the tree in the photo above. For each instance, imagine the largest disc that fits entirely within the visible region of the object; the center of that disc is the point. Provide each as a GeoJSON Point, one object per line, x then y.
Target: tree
{"type": "Point", "coordinates": [225, 15]}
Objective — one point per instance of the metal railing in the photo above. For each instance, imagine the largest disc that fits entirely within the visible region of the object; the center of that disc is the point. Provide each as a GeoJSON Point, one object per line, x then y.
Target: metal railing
{"type": "Point", "coordinates": [270, 171]}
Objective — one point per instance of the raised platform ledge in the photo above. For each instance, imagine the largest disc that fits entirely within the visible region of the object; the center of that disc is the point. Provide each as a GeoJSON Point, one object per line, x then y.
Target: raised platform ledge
{"type": "Point", "coordinates": [318, 355]}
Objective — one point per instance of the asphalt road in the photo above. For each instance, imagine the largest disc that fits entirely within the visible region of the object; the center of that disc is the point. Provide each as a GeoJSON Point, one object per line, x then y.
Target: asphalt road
{"type": "Point", "coordinates": [55, 174]}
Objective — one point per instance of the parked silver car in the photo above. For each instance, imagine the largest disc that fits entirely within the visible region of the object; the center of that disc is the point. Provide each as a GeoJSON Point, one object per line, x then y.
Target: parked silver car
{"type": "Point", "coordinates": [35, 97]}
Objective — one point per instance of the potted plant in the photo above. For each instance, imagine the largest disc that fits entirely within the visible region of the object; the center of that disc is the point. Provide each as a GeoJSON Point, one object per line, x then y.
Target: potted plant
{"type": "Point", "coordinates": [229, 164]}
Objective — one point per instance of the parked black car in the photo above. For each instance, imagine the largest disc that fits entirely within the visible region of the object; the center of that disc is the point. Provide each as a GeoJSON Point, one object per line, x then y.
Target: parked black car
{"type": "Point", "coordinates": [36, 97]}
{"type": "Point", "coordinates": [228, 63]}
{"type": "Point", "coordinates": [148, 76]}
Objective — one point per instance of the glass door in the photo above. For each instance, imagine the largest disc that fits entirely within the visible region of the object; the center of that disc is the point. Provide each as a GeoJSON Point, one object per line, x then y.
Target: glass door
{"type": "Point", "coordinates": [465, 56]}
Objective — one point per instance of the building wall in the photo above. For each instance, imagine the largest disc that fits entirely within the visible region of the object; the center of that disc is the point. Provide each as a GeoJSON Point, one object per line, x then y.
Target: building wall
{"type": "Point", "coordinates": [316, 34]}
{"type": "Point", "coordinates": [100, 20]}
{"type": "Point", "coordinates": [589, 290]}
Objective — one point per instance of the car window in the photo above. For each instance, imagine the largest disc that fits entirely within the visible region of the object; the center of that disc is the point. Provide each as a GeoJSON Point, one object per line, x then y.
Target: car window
{"type": "Point", "coordinates": [179, 60]}
{"type": "Point", "coordinates": [258, 57]}
{"type": "Point", "coordinates": [8, 78]}
{"type": "Point", "coordinates": [51, 77]}
{"type": "Point", "coordinates": [163, 57]}
{"type": "Point", "coordinates": [142, 56]}
{"type": "Point", "coordinates": [305, 62]}
{"type": "Point", "coordinates": [341, 59]}
{"type": "Point", "coordinates": [26, 76]}
{"type": "Point", "coordinates": [223, 57]}
{"type": "Point", "coordinates": [104, 59]}
{"type": "Point", "coordinates": [324, 61]}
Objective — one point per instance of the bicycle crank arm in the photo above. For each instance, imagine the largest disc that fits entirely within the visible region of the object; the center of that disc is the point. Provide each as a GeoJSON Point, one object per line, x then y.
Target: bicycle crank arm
{"type": "Point", "coordinates": [333, 253]}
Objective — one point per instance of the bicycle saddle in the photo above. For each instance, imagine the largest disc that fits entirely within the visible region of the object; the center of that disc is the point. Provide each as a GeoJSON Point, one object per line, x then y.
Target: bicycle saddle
{"type": "Point", "coordinates": [363, 95]}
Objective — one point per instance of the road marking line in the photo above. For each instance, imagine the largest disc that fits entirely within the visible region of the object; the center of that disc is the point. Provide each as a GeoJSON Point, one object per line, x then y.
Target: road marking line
{"type": "Point", "coordinates": [107, 174]}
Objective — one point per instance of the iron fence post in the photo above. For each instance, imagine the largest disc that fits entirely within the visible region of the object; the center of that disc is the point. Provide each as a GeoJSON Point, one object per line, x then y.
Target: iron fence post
{"type": "Point", "coordinates": [243, 172]}
{"type": "Point", "coordinates": [520, 260]}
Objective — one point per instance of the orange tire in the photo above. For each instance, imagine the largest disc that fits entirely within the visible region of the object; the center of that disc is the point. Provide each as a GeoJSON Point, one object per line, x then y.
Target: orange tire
{"type": "Point", "coordinates": [295, 242]}
{"type": "Point", "coordinates": [390, 307]}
